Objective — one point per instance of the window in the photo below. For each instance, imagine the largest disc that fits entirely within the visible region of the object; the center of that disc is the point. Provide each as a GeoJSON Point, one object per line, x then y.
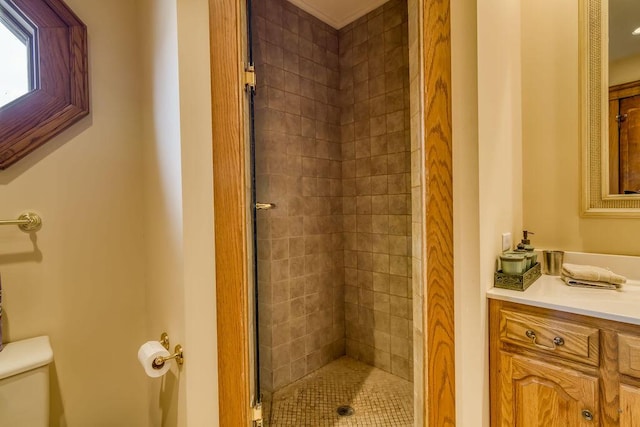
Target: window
{"type": "Point", "coordinates": [43, 78]}
{"type": "Point", "coordinates": [15, 70]}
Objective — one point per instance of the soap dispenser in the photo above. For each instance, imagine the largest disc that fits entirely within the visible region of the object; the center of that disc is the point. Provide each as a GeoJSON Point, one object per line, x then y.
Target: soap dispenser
{"type": "Point", "coordinates": [525, 244]}
{"type": "Point", "coordinates": [525, 247]}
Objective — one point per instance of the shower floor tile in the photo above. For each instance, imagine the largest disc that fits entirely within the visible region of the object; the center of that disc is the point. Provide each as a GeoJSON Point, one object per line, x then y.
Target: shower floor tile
{"type": "Point", "coordinates": [378, 398]}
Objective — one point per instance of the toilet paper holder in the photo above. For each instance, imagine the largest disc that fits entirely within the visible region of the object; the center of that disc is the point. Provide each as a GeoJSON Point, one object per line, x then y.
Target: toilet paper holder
{"type": "Point", "coordinates": [178, 355]}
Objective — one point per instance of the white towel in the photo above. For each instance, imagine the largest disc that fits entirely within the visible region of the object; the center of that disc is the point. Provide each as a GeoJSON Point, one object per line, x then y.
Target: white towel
{"type": "Point", "coordinates": [589, 284]}
{"type": "Point", "coordinates": [590, 273]}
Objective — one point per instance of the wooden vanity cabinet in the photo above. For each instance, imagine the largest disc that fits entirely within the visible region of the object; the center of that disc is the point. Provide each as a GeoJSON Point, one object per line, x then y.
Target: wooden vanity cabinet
{"type": "Point", "coordinates": [630, 406]}
{"type": "Point", "coordinates": [629, 369]}
{"type": "Point", "coordinates": [540, 394]}
{"type": "Point", "coordinates": [556, 369]}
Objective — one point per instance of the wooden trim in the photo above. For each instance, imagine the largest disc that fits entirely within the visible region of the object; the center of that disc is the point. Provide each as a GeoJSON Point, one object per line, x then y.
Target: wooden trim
{"type": "Point", "coordinates": [230, 213]}
{"type": "Point", "coordinates": [624, 90]}
{"type": "Point", "coordinates": [614, 147]}
{"type": "Point", "coordinates": [439, 302]}
{"type": "Point", "coordinates": [495, 383]}
{"type": "Point", "coordinates": [61, 97]}
{"type": "Point", "coordinates": [609, 378]}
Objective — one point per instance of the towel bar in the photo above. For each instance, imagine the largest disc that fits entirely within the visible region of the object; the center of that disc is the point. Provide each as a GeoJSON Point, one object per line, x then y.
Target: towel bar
{"type": "Point", "coordinates": [28, 221]}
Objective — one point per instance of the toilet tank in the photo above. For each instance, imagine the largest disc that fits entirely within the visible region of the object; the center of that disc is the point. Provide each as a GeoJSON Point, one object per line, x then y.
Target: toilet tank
{"type": "Point", "coordinates": [24, 383]}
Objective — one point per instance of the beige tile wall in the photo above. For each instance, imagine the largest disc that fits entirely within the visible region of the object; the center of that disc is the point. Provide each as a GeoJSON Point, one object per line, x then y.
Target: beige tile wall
{"type": "Point", "coordinates": [376, 165]}
{"type": "Point", "coordinates": [416, 85]}
{"type": "Point", "coordinates": [333, 151]}
{"type": "Point", "coordinates": [298, 158]}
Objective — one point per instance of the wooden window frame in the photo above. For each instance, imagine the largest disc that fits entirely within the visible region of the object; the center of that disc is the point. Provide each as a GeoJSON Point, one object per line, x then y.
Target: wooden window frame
{"type": "Point", "coordinates": [60, 96]}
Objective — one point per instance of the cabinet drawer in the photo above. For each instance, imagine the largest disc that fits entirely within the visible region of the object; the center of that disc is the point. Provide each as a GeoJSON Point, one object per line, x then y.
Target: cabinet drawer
{"type": "Point", "coordinates": [629, 355]}
{"type": "Point", "coordinates": [564, 339]}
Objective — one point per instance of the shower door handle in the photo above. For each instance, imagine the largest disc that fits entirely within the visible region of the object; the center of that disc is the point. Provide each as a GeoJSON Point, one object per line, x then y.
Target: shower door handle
{"type": "Point", "coordinates": [265, 206]}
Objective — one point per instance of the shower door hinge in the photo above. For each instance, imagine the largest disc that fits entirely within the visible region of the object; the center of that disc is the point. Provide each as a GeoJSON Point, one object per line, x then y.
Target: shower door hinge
{"type": "Point", "coordinates": [250, 78]}
{"type": "Point", "coordinates": [256, 415]}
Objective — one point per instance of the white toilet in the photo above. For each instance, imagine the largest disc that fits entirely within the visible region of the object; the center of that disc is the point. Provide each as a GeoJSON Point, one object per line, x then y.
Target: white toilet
{"type": "Point", "coordinates": [24, 383]}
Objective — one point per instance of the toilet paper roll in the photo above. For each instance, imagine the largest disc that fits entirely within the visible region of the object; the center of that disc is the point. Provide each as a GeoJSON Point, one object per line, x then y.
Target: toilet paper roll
{"type": "Point", "coordinates": [148, 353]}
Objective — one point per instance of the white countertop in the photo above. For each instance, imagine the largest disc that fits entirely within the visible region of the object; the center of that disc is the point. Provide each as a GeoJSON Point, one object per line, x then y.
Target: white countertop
{"type": "Point", "coordinates": [551, 292]}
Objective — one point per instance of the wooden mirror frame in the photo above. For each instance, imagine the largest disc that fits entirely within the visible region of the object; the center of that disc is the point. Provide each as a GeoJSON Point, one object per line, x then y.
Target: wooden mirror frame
{"type": "Point", "coordinates": [61, 93]}
{"type": "Point", "coordinates": [594, 120]}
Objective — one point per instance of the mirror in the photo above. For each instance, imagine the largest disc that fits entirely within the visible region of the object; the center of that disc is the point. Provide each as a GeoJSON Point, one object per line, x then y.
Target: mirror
{"type": "Point", "coordinates": [624, 96]}
{"type": "Point", "coordinates": [50, 45]}
{"type": "Point", "coordinates": [601, 195]}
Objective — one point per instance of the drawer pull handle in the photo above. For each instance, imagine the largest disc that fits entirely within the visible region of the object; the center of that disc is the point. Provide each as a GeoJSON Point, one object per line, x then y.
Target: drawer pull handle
{"type": "Point", "coordinates": [587, 415]}
{"type": "Point", "coordinates": [557, 341]}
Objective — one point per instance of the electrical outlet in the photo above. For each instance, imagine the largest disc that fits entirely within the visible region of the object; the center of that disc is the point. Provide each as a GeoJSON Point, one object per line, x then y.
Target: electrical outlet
{"type": "Point", "coordinates": [507, 241]}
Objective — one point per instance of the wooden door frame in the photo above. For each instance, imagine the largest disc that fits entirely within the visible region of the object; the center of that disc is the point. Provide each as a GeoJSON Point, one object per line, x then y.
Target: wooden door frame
{"type": "Point", "coordinates": [616, 93]}
{"type": "Point", "coordinates": [438, 311]}
{"type": "Point", "coordinates": [231, 229]}
{"type": "Point", "coordinates": [230, 207]}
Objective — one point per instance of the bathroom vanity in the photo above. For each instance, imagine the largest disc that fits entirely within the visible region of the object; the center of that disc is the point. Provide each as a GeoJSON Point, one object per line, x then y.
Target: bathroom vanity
{"type": "Point", "coordinates": [564, 356]}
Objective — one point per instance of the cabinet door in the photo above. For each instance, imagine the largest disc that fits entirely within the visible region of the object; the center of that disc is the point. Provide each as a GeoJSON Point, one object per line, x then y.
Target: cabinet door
{"type": "Point", "coordinates": [630, 406]}
{"type": "Point", "coordinates": [537, 394]}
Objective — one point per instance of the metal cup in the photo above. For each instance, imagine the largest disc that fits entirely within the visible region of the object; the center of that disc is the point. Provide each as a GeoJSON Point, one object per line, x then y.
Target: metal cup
{"type": "Point", "coordinates": [552, 262]}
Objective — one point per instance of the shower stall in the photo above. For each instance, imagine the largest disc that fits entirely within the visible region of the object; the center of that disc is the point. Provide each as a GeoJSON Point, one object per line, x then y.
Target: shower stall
{"type": "Point", "coordinates": [332, 171]}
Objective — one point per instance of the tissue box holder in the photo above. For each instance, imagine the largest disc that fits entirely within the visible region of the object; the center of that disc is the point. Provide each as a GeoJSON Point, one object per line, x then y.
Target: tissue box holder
{"type": "Point", "coordinates": [517, 282]}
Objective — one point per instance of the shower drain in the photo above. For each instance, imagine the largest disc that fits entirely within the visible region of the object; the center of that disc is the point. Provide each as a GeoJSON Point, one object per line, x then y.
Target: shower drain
{"type": "Point", "coordinates": [345, 411]}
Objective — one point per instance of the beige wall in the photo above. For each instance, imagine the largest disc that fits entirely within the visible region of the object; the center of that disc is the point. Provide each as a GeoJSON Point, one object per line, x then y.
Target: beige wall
{"type": "Point", "coordinates": [178, 206]}
{"type": "Point", "coordinates": [163, 201]}
{"type": "Point", "coordinates": [499, 180]}
{"type": "Point", "coordinates": [126, 200]}
{"type": "Point", "coordinates": [83, 284]}
{"type": "Point", "coordinates": [201, 373]}
{"type": "Point", "coordinates": [624, 70]}
{"type": "Point", "coordinates": [471, 371]}
{"type": "Point", "coordinates": [551, 145]}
